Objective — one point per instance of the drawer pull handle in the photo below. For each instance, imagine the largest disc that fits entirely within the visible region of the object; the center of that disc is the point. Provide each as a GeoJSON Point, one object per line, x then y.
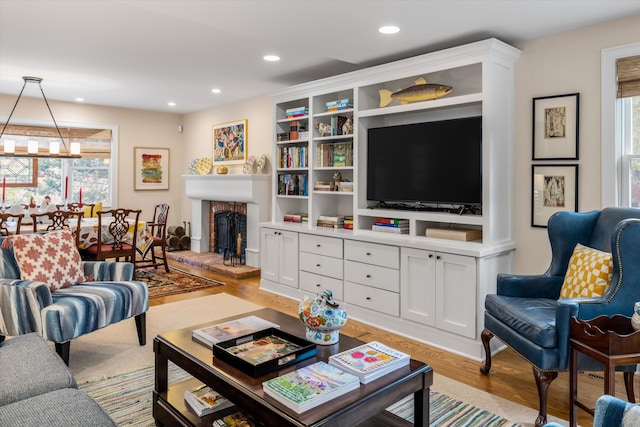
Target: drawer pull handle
{"type": "Point", "coordinates": [438, 257]}
{"type": "Point", "coordinates": [430, 255]}
{"type": "Point", "coordinates": [318, 285]}
{"type": "Point", "coordinates": [368, 253]}
{"type": "Point", "coordinates": [317, 265]}
{"type": "Point", "coordinates": [318, 245]}
{"type": "Point", "coordinates": [368, 276]}
{"type": "Point", "coordinates": [368, 298]}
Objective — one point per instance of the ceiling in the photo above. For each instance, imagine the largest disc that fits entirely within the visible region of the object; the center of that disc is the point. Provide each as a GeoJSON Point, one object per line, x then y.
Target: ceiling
{"type": "Point", "coordinates": [144, 54]}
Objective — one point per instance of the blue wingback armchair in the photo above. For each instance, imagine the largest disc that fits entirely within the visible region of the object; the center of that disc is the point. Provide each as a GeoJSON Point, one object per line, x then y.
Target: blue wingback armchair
{"type": "Point", "coordinates": [64, 314]}
{"type": "Point", "coordinates": [527, 315]}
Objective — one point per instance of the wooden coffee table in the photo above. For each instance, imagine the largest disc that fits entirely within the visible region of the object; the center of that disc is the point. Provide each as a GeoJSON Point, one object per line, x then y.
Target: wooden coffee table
{"type": "Point", "coordinates": [360, 407]}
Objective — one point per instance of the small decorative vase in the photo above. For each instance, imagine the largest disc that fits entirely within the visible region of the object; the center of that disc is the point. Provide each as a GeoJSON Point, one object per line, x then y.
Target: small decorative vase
{"type": "Point", "coordinates": [635, 318]}
{"type": "Point", "coordinates": [323, 318]}
{"type": "Point", "coordinates": [221, 170]}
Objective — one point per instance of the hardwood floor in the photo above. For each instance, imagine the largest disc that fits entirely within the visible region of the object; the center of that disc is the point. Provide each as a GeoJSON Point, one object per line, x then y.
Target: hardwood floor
{"type": "Point", "coordinates": [511, 376]}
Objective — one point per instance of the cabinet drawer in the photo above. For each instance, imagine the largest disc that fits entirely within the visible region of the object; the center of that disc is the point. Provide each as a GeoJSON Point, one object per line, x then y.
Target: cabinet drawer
{"type": "Point", "coordinates": [320, 264]}
{"type": "Point", "coordinates": [329, 246]}
{"type": "Point", "coordinates": [372, 275]}
{"type": "Point", "coordinates": [315, 283]}
{"type": "Point", "coordinates": [372, 253]}
{"type": "Point", "coordinates": [372, 298]}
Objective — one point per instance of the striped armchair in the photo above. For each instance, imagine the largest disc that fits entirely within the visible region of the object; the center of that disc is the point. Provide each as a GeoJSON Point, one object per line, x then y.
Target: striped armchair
{"type": "Point", "coordinates": [109, 296]}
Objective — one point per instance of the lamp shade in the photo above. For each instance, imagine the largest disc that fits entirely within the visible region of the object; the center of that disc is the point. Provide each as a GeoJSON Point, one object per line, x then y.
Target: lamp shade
{"type": "Point", "coordinates": [9, 146]}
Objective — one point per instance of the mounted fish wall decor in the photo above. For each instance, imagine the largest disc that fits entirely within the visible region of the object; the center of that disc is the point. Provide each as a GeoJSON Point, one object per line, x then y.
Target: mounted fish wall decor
{"type": "Point", "coordinates": [422, 91]}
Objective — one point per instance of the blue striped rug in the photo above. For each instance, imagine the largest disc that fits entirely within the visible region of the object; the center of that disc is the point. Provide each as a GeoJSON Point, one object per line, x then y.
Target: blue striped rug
{"type": "Point", "coordinates": [127, 398]}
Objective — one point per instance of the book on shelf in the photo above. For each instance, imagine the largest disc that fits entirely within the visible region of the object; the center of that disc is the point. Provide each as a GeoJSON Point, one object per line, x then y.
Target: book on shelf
{"type": "Point", "coordinates": [387, 229]}
{"type": "Point", "coordinates": [329, 221]}
{"type": "Point", "coordinates": [294, 128]}
{"type": "Point", "coordinates": [370, 361]}
{"type": "Point", "coordinates": [310, 386]}
{"type": "Point", "coordinates": [204, 400]}
{"type": "Point", "coordinates": [237, 419]}
{"type": "Point", "coordinates": [296, 217]}
{"type": "Point", "coordinates": [391, 221]}
{"type": "Point", "coordinates": [348, 222]}
{"type": "Point", "coordinates": [322, 186]}
{"type": "Point", "coordinates": [214, 334]}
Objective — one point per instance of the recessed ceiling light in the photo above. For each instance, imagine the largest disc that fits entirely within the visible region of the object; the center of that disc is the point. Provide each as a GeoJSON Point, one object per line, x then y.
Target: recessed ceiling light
{"type": "Point", "coordinates": [171, 104]}
{"type": "Point", "coordinates": [79, 99]}
{"type": "Point", "coordinates": [216, 90]}
{"type": "Point", "coordinates": [271, 58]}
{"type": "Point", "coordinates": [389, 29]}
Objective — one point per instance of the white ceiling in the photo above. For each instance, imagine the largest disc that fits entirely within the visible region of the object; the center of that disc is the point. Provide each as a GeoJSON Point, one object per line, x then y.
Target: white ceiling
{"type": "Point", "coordinates": [143, 54]}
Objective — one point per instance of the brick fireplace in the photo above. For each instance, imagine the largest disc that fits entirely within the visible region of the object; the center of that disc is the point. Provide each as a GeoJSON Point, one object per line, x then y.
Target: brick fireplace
{"type": "Point", "coordinates": [249, 193]}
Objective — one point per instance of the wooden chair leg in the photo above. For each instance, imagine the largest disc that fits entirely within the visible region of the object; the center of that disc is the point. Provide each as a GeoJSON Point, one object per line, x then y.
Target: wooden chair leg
{"type": "Point", "coordinates": [628, 384]}
{"type": "Point", "coordinates": [141, 327]}
{"type": "Point", "coordinates": [63, 350]}
{"type": "Point", "coordinates": [164, 258]}
{"type": "Point", "coordinates": [1, 338]}
{"type": "Point", "coordinates": [486, 337]}
{"type": "Point", "coordinates": [543, 381]}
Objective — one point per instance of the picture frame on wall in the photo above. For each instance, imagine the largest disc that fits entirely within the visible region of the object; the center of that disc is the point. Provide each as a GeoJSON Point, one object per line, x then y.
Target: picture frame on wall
{"type": "Point", "coordinates": [555, 127]}
{"type": "Point", "coordinates": [151, 168]}
{"type": "Point", "coordinates": [554, 189]}
{"type": "Point", "coordinates": [230, 143]}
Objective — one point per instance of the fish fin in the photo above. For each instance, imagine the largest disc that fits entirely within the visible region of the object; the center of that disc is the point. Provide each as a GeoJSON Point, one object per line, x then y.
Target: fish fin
{"type": "Point", "coordinates": [385, 97]}
{"type": "Point", "coordinates": [421, 81]}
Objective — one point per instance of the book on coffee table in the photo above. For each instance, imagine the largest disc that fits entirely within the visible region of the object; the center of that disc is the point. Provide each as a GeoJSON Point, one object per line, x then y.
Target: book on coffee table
{"type": "Point", "coordinates": [370, 361]}
{"type": "Point", "coordinates": [237, 419]}
{"type": "Point", "coordinates": [215, 334]}
{"type": "Point", "coordinates": [204, 400]}
{"type": "Point", "coordinates": [310, 386]}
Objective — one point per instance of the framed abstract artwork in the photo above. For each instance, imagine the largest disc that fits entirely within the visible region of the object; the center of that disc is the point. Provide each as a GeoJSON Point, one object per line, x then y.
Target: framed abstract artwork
{"type": "Point", "coordinates": [554, 189]}
{"type": "Point", "coordinates": [230, 143]}
{"type": "Point", "coordinates": [555, 127]}
{"type": "Point", "coordinates": [151, 168]}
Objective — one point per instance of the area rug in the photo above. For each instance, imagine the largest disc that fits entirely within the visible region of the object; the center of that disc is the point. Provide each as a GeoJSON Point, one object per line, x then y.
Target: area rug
{"type": "Point", "coordinates": [176, 281]}
{"type": "Point", "coordinates": [127, 398]}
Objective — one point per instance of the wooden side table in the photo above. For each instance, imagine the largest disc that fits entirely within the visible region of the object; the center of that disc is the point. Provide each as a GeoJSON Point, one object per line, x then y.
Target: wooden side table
{"type": "Point", "coordinates": [609, 340]}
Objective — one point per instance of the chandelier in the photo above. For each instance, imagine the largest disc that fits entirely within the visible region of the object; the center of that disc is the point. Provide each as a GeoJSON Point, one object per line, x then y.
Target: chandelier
{"type": "Point", "coordinates": [71, 151]}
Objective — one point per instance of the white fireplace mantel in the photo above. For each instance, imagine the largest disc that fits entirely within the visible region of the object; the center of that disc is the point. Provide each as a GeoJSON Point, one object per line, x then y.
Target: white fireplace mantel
{"type": "Point", "coordinates": [249, 188]}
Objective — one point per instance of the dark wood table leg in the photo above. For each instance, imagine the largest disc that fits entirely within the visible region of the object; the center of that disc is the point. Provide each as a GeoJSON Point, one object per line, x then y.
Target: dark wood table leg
{"type": "Point", "coordinates": [161, 384]}
{"type": "Point", "coordinates": [610, 378]}
{"type": "Point", "coordinates": [573, 386]}
{"type": "Point", "coordinates": [421, 407]}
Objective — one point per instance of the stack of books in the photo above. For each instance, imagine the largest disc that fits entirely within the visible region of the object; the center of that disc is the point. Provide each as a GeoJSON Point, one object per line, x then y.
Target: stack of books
{"type": "Point", "coordinates": [348, 222]}
{"type": "Point", "coordinates": [389, 225]}
{"type": "Point", "coordinates": [237, 419]}
{"type": "Point", "coordinates": [300, 217]}
{"type": "Point", "coordinates": [229, 330]}
{"type": "Point", "coordinates": [329, 221]}
{"type": "Point", "coordinates": [370, 361]}
{"type": "Point", "coordinates": [204, 400]}
{"type": "Point", "coordinates": [310, 386]}
{"type": "Point", "coordinates": [293, 112]}
{"type": "Point", "coordinates": [338, 105]}
{"type": "Point", "coordinates": [321, 186]}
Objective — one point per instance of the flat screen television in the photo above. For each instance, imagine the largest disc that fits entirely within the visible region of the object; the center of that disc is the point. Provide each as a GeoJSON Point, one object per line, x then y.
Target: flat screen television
{"type": "Point", "coordinates": [433, 163]}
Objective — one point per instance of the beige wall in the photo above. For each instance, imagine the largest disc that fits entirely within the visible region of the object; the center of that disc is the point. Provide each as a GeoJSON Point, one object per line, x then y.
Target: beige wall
{"type": "Point", "coordinates": [136, 128]}
{"type": "Point", "coordinates": [564, 63]}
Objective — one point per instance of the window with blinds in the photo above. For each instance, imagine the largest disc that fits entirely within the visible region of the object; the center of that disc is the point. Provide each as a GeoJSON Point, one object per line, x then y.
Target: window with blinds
{"type": "Point", "coordinates": [628, 76]}
{"type": "Point", "coordinates": [628, 114]}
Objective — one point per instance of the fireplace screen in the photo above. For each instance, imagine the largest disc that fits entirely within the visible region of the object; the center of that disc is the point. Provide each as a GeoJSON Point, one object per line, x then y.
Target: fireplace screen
{"type": "Point", "coordinates": [230, 236]}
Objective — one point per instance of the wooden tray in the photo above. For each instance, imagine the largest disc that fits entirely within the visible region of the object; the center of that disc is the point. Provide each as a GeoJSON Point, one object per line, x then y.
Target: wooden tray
{"type": "Point", "coordinates": [264, 351]}
{"type": "Point", "coordinates": [612, 335]}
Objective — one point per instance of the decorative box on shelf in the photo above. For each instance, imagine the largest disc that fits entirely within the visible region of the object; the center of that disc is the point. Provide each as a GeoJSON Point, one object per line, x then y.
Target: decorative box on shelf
{"type": "Point", "coordinates": [265, 351]}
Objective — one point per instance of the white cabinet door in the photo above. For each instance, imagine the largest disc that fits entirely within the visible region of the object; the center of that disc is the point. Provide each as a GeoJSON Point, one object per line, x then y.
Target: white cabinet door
{"type": "Point", "coordinates": [417, 285]}
{"type": "Point", "coordinates": [269, 254]}
{"type": "Point", "coordinates": [456, 294]}
{"type": "Point", "coordinates": [279, 258]}
{"type": "Point", "coordinates": [288, 259]}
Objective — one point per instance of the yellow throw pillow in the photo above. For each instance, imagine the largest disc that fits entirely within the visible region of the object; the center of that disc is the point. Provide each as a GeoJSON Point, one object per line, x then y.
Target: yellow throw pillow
{"type": "Point", "coordinates": [589, 273]}
{"type": "Point", "coordinates": [97, 208]}
{"type": "Point", "coordinates": [86, 210]}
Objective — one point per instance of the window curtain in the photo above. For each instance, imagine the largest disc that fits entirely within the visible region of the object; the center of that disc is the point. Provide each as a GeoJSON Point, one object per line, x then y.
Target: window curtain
{"type": "Point", "coordinates": [628, 70]}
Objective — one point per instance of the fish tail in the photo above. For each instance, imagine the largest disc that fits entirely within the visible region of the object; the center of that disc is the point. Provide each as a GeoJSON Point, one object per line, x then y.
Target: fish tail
{"type": "Point", "coordinates": [385, 97]}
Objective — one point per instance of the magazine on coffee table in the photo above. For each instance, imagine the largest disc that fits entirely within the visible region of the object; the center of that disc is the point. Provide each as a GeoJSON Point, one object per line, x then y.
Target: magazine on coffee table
{"type": "Point", "coordinates": [370, 361]}
{"type": "Point", "coordinates": [310, 386]}
{"type": "Point", "coordinates": [204, 400]}
{"type": "Point", "coordinates": [226, 331]}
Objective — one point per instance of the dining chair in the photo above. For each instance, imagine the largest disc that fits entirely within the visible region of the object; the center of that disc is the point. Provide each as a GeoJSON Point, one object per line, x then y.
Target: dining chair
{"type": "Point", "coordinates": [158, 229]}
{"type": "Point", "coordinates": [10, 217]}
{"type": "Point", "coordinates": [58, 220]}
{"type": "Point", "coordinates": [114, 228]}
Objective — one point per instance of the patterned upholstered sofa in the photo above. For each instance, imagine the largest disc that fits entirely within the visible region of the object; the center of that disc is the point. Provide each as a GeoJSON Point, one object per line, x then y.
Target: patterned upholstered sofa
{"type": "Point", "coordinates": [37, 389]}
{"type": "Point", "coordinates": [46, 288]}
